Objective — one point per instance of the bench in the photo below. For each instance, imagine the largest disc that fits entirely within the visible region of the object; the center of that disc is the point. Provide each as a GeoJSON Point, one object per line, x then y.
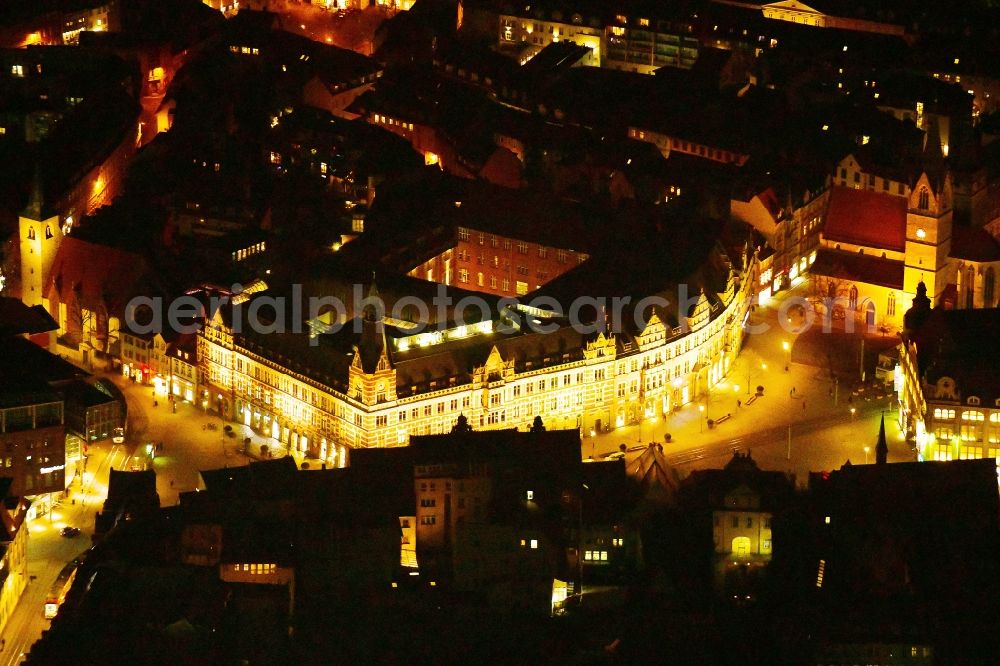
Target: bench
{"type": "Point", "coordinates": [751, 399]}
{"type": "Point", "coordinates": [723, 419]}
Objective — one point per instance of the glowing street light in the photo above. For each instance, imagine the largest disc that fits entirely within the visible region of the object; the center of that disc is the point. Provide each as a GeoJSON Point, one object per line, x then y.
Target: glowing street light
{"type": "Point", "coordinates": [867, 450]}
{"type": "Point", "coordinates": [788, 353]}
{"type": "Point", "coordinates": [853, 412]}
{"type": "Point", "coordinates": [701, 418]}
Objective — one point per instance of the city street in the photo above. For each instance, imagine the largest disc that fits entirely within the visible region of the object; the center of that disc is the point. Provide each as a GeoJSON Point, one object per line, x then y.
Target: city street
{"type": "Point", "coordinates": [192, 439]}
{"type": "Point", "coordinates": [48, 551]}
{"type": "Point", "coordinates": [824, 431]}
{"type": "Point", "coordinates": [354, 31]}
{"type": "Point", "coordinates": [802, 401]}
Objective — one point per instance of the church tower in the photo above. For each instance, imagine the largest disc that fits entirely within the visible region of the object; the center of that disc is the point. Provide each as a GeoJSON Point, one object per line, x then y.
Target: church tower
{"type": "Point", "coordinates": [40, 234]}
{"type": "Point", "coordinates": [929, 222]}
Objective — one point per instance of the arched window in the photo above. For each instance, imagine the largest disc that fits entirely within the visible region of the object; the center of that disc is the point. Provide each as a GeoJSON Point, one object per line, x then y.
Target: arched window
{"type": "Point", "coordinates": [854, 296]}
{"type": "Point", "coordinates": [925, 199]}
{"type": "Point", "coordinates": [31, 233]}
{"type": "Point", "coordinates": [988, 287]}
{"type": "Point", "coordinates": [48, 231]}
{"type": "Point", "coordinates": [890, 308]}
{"type": "Point", "coordinates": [970, 286]}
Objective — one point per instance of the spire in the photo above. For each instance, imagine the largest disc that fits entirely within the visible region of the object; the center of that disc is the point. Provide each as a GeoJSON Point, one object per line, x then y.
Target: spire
{"type": "Point", "coordinates": [932, 159]}
{"type": "Point", "coordinates": [882, 447]}
{"type": "Point", "coordinates": [372, 348]}
{"type": "Point", "coordinates": [35, 210]}
{"type": "Point", "coordinates": [918, 313]}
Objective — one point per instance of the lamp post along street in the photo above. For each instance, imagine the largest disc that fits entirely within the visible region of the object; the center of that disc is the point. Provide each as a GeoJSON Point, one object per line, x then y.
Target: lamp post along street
{"type": "Point", "coordinates": [788, 453]}
{"type": "Point", "coordinates": [579, 542]}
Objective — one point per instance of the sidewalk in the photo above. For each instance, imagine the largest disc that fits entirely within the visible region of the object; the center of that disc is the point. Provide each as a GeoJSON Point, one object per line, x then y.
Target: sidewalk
{"type": "Point", "coordinates": [802, 394]}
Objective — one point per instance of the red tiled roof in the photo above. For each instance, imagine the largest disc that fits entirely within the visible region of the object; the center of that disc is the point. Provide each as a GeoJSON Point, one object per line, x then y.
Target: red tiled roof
{"type": "Point", "coordinates": [866, 218]}
{"type": "Point", "coordinates": [974, 244]}
{"type": "Point", "coordinates": [858, 268]}
{"type": "Point", "coordinates": [97, 273]}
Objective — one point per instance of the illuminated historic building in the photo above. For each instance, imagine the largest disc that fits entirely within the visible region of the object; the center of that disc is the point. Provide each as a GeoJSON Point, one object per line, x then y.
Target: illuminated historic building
{"type": "Point", "coordinates": [885, 236]}
{"type": "Point", "coordinates": [498, 265]}
{"type": "Point", "coordinates": [13, 544]}
{"type": "Point", "coordinates": [949, 397]}
{"type": "Point", "coordinates": [741, 501]}
{"type": "Point", "coordinates": [794, 11]}
{"type": "Point", "coordinates": [379, 380]}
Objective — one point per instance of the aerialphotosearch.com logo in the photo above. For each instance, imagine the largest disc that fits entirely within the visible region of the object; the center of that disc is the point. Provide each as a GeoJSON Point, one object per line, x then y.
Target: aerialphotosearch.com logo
{"type": "Point", "coordinates": [265, 314]}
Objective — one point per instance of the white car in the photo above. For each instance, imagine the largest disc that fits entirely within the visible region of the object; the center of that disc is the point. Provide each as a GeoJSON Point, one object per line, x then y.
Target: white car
{"type": "Point", "coordinates": [119, 436]}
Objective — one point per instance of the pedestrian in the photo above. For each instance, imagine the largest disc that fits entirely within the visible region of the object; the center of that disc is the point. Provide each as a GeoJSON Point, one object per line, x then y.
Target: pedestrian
{"type": "Point", "coordinates": [171, 483]}
{"type": "Point", "coordinates": [738, 403]}
{"type": "Point", "coordinates": [803, 404]}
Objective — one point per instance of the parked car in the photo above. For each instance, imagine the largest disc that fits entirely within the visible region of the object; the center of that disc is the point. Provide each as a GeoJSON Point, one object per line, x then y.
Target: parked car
{"type": "Point", "coordinates": [69, 532]}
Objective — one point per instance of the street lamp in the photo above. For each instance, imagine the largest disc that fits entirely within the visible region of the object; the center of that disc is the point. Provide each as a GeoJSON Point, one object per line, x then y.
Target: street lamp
{"type": "Point", "coordinates": [788, 353]}
{"type": "Point", "coordinates": [222, 422]}
{"type": "Point", "coordinates": [867, 449]}
{"type": "Point", "coordinates": [853, 412]}
{"type": "Point", "coordinates": [701, 418]}
{"type": "Point", "coordinates": [579, 540]}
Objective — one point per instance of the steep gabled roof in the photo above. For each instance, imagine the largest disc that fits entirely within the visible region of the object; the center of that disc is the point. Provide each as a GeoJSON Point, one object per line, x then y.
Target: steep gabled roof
{"type": "Point", "coordinates": [974, 244]}
{"type": "Point", "coordinates": [870, 219]}
{"type": "Point", "coordinates": [97, 274]}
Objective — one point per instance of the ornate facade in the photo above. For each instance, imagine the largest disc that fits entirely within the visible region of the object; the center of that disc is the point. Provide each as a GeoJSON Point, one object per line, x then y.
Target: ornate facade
{"type": "Point", "coordinates": [379, 388]}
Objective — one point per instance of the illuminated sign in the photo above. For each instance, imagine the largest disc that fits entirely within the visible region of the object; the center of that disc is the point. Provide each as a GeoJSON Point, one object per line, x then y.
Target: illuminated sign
{"type": "Point", "coordinates": [54, 468]}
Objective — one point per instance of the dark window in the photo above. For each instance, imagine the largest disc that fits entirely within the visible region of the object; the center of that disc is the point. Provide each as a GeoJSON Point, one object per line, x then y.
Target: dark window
{"type": "Point", "coordinates": [925, 197]}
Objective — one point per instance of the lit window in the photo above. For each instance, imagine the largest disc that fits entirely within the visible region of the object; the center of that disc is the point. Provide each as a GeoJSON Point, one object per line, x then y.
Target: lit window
{"type": "Point", "coordinates": [827, 520]}
{"type": "Point", "coordinates": [534, 543]}
{"type": "Point", "coordinates": [530, 495]}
